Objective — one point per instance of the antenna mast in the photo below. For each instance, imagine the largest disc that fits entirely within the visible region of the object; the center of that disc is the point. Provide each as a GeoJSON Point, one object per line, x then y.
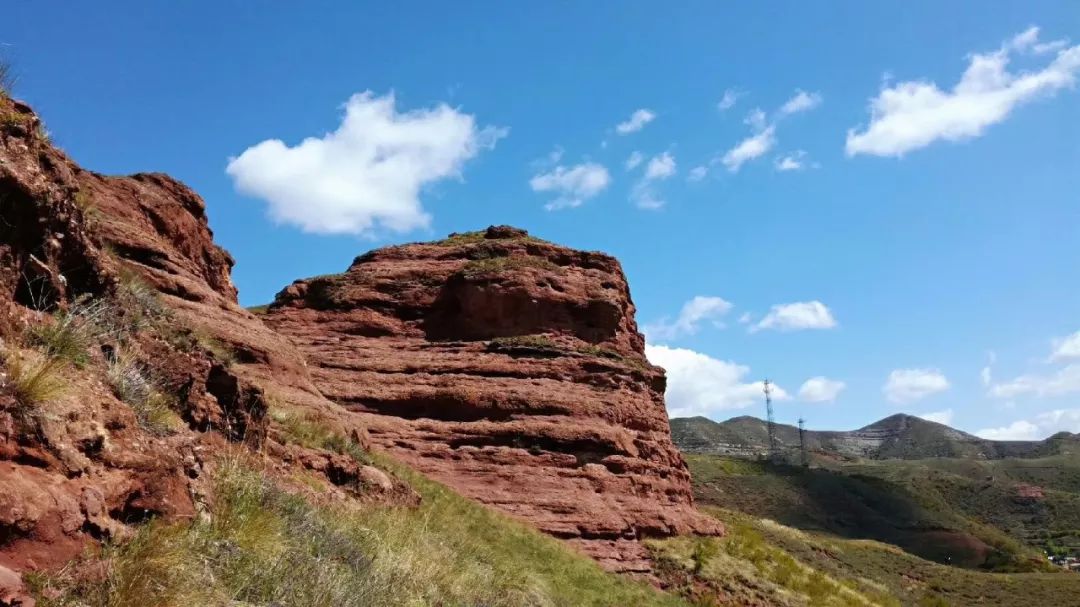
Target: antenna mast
{"type": "Point", "coordinates": [802, 442]}
{"type": "Point", "coordinates": [770, 421]}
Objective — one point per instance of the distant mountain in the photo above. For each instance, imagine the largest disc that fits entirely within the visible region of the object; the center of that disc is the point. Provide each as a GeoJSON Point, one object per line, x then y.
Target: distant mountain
{"type": "Point", "coordinates": [898, 436]}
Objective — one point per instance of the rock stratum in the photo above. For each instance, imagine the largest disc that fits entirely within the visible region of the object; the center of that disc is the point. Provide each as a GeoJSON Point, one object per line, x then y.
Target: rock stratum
{"type": "Point", "coordinates": [504, 366]}
{"type": "Point", "coordinates": [510, 369]}
{"type": "Point", "coordinates": [127, 269]}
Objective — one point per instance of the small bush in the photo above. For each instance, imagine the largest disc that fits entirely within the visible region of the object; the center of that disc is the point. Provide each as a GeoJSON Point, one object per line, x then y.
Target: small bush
{"type": "Point", "coordinates": [70, 334]}
{"type": "Point", "coordinates": [460, 238]}
{"type": "Point", "coordinates": [540, 342]}
{"type": "Point", "coordinates": [33, 380]}
{"type": "Point", "coordinates": [497, 265]}
{"type": "Point", "coordinates": [309, 432]}
{"type": "Point", "coordinates": [7, 78]}
{"type": "Point", "coordinates": [132, 385]}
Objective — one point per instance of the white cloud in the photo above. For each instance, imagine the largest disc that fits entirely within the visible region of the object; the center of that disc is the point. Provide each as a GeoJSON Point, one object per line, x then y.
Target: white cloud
{"type": "Point", "coordinates": [750, 148]}
{"type": "Point", "coordinates": [1065, 380]}
{"type": "Point", "coordinates": [797, 316]}
{"type": "Point", "coordinates": [701, 385]}
{"type": "Point", "coordinates": [986, 376]}
{"type": "Point", "coordinates": [573, 185]}
{"type": "Point", "coordinates": [644, 194]}
{"type": "Point", "coordinates": [697, 173]}
{"type": "Point", "coordinates": [911, 115]}
{"type": "Point", "coordinates": [1038, 428]}
{"type": "Point", "coordinates": [756, 119]}
{"type": "Point", "coordinates": [1028, 40]}
{"type": "Point", "coordinates": [745, 318]}
{"type": "Point", "coordinates": [634, 160]}
{"type": "Point", "coordinates": [660, 167]}
{"type": "Point", "coordinates": [944, 416]}
{"type": "Point", "coordinates": [728, 101]}
{"type": "Point", "coordinates": [1018, 430]}
{"type": "Point", "coordinates": [910, 385]}
{"type": "Point", "coordinates": [820, 389]}
{"type": "Point", "coordinates": [795, 161]}
{"type": "Point", "coordinates": [1066, 347]}
{"type": "Point", "coordinates": [700, 309]}
{"type": "Point", "coordinates": [801, 102]}
{"type": "Point", "coordinates": [368, 173]}
{"type": "Point", "coordinates": [636, 122]}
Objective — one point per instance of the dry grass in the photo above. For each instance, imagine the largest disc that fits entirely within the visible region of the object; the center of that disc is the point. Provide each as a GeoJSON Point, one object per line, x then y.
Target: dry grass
{"type": "Point", "coordinates": [748, 567]}
{"type": "Point", "coordinates": [132, 384]}
{"type": "Point", "coordinates": [7, 77]}
{"type": "Point", "coordinates": [264, 546]}
{"type": "Point", "coordinates": [34, 380]}
{"type": "Point", "coordinates": [308, 431]}
{"type": "Point", "coordinates": [498, 265]}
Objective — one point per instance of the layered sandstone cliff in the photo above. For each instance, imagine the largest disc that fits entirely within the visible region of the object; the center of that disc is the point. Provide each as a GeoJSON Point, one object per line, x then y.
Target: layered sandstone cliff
{"type": "Point", "coordinates": [125, 271]}
{"type": "Point", "coordinates": [511, 369]}
{"type": "Point", "coordinates": [508, 367]}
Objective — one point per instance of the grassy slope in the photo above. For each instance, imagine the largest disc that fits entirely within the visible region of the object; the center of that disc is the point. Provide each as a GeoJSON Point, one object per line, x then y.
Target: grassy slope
{"type": "Point", "coordinates": [267, 547]}
{"type": "Point", "coordinates": [841, 507]}
{"type": "Point", "coordinates": [876, 570]}
{"type": "Point", "coordinates": [986, 492]}
{"type": "Point", "coordinates": [854, 506]}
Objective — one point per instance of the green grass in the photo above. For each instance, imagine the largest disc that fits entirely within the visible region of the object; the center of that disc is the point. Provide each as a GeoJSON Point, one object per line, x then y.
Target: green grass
{"type": "Point", "coordinates": [542, 345]}
{"type": "Point", "coordinates": [310, 432]}
{"type": "Point", "coordinates": [849, 501]}
{"type": "Point", "coordinates": [132, 384]}
{"type": "Point", "coordinates": [264, 546]}
{"type": "Point", "coordinates": [462, 238]}
{"type": "Point", "coordinates": [743, 567]}
{"type": "Point", "coordinates": [498, 265]}
{"type": "Point", "coordinates": [530, 342]}
{"type": "Point", "coordinates": [871, 567]}
{"type": "Point", "coordinates": [69, 334]}
{"type": "Point", "coordinates": [33, 380]}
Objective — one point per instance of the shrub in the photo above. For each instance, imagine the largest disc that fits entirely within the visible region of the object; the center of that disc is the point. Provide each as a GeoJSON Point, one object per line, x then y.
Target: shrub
{"type": "Point", "coordinates": [540, 342]}
{"type": "Point", "coordinates": [33, 380]}
{"type": "Point", "coordinates": [71, 333]}
{"type": "Point", "coordinates": [309, 432]}
{"type": "Point", "coordinates": [497, 265]}
{"type": "Point", "coordinates": [7, 77]}
{"type": "Point", "coordinates": [131, 384]}
{"type": "Point", "coordinates": [460, 238]}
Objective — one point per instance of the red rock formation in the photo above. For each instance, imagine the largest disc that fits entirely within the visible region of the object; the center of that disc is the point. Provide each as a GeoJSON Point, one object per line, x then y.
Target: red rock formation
{"type": "Point", "coordinates": [83, 468]}
{"type": "Point", "coordinates": [567, 431]}
{"type": "Point", "coordinates": [512, 370]}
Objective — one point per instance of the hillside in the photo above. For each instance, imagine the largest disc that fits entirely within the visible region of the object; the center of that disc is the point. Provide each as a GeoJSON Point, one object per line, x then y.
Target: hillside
{"type": "Point", "coordinates": [512, 370]}
{"type": "Point", "coordinates": [160, 445]}
{"type": "Point", "coordinates": [898, 436]}
{"type": "Point", "coordinates": [762, 562]}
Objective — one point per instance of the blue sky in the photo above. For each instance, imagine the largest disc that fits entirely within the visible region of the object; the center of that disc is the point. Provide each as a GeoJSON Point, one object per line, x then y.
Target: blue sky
{"type": "Point", "coordinates": [927, 230]}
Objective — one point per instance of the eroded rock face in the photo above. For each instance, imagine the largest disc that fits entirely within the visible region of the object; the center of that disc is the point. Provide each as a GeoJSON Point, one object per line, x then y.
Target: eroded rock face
{"type": "Point", "coordinates": [512, 370]}
{"type": "Point", "coordinates": [81, 468]}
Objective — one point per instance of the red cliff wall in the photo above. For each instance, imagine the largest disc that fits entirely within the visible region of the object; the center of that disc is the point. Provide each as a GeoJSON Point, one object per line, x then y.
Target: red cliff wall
{"type": "Point", "coordinates": [512, 370]}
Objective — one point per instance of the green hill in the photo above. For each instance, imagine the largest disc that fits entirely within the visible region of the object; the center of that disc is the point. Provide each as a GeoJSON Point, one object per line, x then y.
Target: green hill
{"type": "Point", "coordinates": [898, 436]}
{"type": "Point", "coordinates": [923, 532]}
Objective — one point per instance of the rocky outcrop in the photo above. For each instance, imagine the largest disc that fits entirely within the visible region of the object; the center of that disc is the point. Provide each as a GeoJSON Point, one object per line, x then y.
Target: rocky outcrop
{"type": "Point", "coordinates": [136, 253]}
{"type": "Point", "coordinates": [511, 369]}
{"type": "Point", "coordinates": [508, 367]}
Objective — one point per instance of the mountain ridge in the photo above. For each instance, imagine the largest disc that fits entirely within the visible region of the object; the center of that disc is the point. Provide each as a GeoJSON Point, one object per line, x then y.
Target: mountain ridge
{"type": "Point", "coordinates": [898, 436]}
